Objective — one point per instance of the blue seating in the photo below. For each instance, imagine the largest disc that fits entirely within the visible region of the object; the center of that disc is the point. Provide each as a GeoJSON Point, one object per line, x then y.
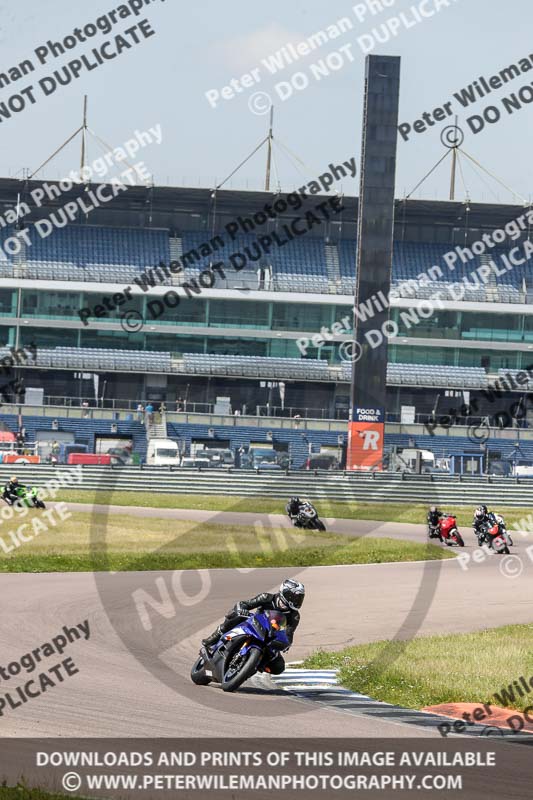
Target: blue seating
{"type": "Point", "coordinates": [91, 247]}
{"type": "Point", "coordinates": [296, 441]}
{"type": "Point", "coordinates": [89, 252]}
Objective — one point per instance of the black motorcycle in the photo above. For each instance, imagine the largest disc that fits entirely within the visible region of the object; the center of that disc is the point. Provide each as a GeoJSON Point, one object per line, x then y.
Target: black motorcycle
{"type": "Point", "coordinates": [308, 518]}
{"type": "Point", "coordinates": [434, 532]}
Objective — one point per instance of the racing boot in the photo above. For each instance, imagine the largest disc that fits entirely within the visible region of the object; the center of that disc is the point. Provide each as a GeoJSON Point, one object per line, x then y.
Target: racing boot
{"type": "Point", "coordinates": [211, 640]}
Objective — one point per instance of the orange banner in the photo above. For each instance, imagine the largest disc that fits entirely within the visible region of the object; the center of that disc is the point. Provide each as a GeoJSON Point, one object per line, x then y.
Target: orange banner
{"type": "Point", "coordinates": [14, 458]}
{"type": "Point", "coordinates": [365, 446]}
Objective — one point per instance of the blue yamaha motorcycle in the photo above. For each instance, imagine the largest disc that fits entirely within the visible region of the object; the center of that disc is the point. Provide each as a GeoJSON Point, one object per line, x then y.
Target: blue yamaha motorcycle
{"type": "Point", "coordinates": [242, 651]}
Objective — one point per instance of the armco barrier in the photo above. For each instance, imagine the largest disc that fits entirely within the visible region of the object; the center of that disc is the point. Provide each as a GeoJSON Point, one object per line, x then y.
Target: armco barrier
{"type": "Point", "coordinates": [379, 487]}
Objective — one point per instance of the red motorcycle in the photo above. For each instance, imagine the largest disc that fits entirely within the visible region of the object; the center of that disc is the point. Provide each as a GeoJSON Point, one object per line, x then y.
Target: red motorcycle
{"type": "Point", "coordinates": [496, 538]}
{"type": "Point", "coordinates": [448, 531]}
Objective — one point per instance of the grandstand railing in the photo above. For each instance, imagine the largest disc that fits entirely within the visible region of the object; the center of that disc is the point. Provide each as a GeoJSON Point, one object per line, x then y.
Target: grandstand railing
{"type": "Point", "coordinates": [290, 416]}
{"type": "Point", "coordinates": [190, 417]}
{"type": "Point", "coordinates": [279, 282]}
{"type": "Point", "coordinates": [189, 407]}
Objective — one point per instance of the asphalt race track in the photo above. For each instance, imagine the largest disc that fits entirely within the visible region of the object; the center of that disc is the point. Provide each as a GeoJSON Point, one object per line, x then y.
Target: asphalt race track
{"type": "Point", "coordinates": [118, 691]}
{"type": "Point", "coordinates": [394, 530]}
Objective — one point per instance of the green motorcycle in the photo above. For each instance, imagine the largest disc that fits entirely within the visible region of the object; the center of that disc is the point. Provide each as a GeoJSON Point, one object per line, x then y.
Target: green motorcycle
{"type": "Point", "coordinates": [29, 497]}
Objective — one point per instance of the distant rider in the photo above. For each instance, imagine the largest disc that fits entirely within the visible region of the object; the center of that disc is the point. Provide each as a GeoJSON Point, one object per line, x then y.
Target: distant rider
{"type": "Point", "coordinates": [288, 600]}
{"type": "Point", "coordinates": [294, 507]}
{"type": "Point", "coordinates": [433, 517]}
{"type": "Point", "coordinates": [481, 519]}
{"type": "Point", "coordinates": [481, 522]}
{"type": "Point", "coordinates": [10, 490]}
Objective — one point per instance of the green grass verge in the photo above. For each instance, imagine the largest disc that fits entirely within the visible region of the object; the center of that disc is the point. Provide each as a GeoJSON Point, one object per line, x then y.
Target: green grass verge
{"type": "Point", "coordinates": [99, 542]}
{"type": "Point", "coordinates": [23, 793]}
{"type": "Point", "coordinates": [373, 551]}
{"type": "Point", "coordinates": [431, 670]}
{"type": "Point", "coordinates": [382, 511]}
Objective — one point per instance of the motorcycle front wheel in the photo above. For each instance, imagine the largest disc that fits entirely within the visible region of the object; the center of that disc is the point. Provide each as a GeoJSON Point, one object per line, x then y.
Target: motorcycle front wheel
{"type": "Point", "coordinates": [319, 525]}
{"type": "Point", "coordinates": [240, 668]}
{"type": "Point", "coordinates": [198, 675]}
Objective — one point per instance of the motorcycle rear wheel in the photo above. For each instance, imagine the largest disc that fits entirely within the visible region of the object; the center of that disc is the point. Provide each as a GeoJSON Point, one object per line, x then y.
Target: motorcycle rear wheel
{"type": "Point", "coordinates": [249, 668]}
{"type": "Point", "coordinates": [198, 675]}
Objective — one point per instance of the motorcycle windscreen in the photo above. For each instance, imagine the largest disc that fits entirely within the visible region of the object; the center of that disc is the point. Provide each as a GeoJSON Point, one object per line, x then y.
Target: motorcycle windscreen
{"type": "Point", "coordinates": [278, 626]}
{"type": "Point", "coordinates": [276, 620]}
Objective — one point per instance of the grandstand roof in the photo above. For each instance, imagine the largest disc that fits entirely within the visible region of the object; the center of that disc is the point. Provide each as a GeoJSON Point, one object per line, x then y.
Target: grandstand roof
{"type": "Point", "coordinates": [169, 206]}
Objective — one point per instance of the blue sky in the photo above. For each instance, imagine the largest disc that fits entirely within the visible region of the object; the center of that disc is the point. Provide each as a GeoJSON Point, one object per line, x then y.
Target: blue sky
{"type": "Point", "coordinates": [202, 46]}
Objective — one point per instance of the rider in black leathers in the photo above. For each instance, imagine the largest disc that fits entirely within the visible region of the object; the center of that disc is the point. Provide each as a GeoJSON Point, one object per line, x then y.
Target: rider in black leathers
{"type": "Point", "coordinates": [288, 599]}
{"type": "Point", "coordinates": [293, 508]}
{"type": "Point", "coordinates": [481, 522]}
{"type": "Point", "coordinates": [482, 529]}
{"type": "Point", "coordinates": [433, 517]}
{"type": "Point", "coordinates": [10, 490]}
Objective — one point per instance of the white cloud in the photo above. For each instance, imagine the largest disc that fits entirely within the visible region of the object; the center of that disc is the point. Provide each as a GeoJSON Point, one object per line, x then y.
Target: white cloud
{"type": "Point", "coordinates": [242, 53]}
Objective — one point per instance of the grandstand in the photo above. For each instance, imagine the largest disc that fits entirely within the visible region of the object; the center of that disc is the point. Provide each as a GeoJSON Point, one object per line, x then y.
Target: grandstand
{"type": "Point", "coordinates": [238, 338]}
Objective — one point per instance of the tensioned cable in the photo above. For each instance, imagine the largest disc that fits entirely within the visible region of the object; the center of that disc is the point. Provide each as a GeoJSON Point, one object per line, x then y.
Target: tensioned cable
{"type": "Point", "coordinates": [295, 166]}
{"type": "Point", "coordinates": [276, 173]}
{"type": "Point", "coordinates": [446, 154]}
{"type": "Point", "coordinates": [491, 175]}
{"type": "Point", "coordinates": [310, 170]}
{"type": "Point", "coordinates": [259, 146]}
{"type": "Point", "coordinates": [107, 147]}
{"type": "Point", "coordinates": [485, 183]}
{"type": "Point", "coordinates": [461, 173]}
{"type": "Point", "coordinates": [70, 138]}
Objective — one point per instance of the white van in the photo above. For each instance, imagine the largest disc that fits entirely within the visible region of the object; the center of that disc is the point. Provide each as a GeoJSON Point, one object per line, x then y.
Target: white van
{"type": "Point", "coordinates": [162, 452]}
{"type": "Point", "coordinates": [412, 459]}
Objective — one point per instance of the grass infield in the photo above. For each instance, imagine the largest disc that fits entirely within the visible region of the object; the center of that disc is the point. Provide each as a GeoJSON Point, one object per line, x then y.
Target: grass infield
{"type": "Point", "coordinates": [97, 542]}
{"type": "Point", "coordinates": [23, 793]}
{"type": "Point", "coordinates": [382, 511]}
{"type": "Point", "coordinates": [427, 671]}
